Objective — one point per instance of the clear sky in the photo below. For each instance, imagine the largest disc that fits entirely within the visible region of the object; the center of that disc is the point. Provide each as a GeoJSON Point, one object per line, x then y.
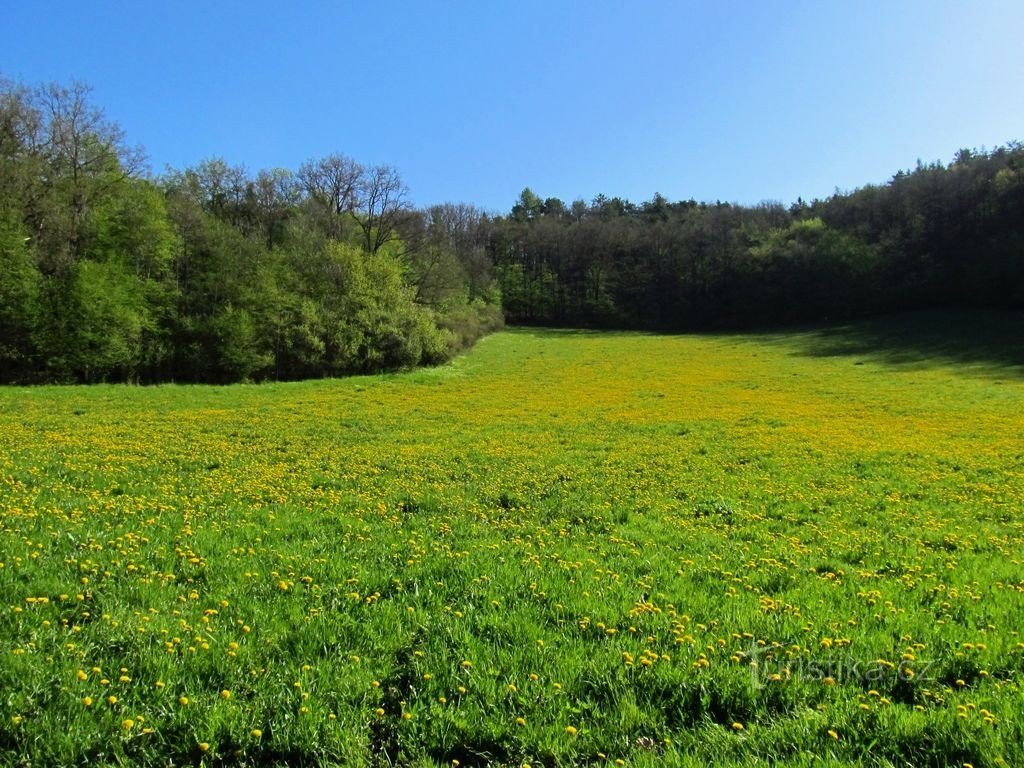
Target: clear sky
{"type": "Point", "coordinates": [472, 101]}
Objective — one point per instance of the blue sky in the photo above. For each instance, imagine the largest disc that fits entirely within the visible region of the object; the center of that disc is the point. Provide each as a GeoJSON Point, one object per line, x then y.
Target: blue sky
{"type": "Point", "coordinates": [472, 101]}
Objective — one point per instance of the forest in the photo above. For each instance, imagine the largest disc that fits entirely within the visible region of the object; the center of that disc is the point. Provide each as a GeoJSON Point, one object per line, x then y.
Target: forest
{"type": "Point", "coordinates": [211, 273]}
{"type": "Point", "coordinates": [217, 274]}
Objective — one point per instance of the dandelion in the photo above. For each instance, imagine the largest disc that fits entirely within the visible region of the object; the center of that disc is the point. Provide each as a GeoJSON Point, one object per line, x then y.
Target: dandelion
{"type": "Point", "coordinates": [256, 733]}
{"type": "Point", "coordinates": [737, 727]}
{"type": "Point", "coordinates": [127, 724]}
{"type": "Point", "coordinates": [571, 730]}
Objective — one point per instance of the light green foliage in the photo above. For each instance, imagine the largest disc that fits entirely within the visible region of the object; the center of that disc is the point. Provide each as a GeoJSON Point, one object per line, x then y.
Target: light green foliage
{"type": "Point", "coordinates": [374, 323]}
{"type": "Point", "coordinates": [560, 549]}
{"type": "Point", "coordinates": [105, 318]}
{"type": "Point", "coordinates": [133, 230]}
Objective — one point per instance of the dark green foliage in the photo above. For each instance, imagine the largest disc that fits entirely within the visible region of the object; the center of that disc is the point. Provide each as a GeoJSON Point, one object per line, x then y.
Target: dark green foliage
{"type": "Point", "coordinates": [937, 236]}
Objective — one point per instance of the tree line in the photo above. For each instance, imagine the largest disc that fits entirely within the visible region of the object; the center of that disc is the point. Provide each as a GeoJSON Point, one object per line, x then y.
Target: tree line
{"type": "Point", "coordinates": [216, 274]}
{"type": "Point", "coordinates": [213, 273]}
{"type": "Point", "coordinates": [938, 235]}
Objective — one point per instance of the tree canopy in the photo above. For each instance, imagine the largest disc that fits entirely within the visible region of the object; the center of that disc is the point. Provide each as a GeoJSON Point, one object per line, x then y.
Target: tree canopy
{"type": "Point", "coordinates": [937, 235]}
{"type": "Point", "coordinates": [214, 273]}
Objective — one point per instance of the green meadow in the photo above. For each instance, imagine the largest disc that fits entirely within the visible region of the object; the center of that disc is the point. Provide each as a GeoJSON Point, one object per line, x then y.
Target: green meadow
{"type": "Point", "coordinates": [559, 549]}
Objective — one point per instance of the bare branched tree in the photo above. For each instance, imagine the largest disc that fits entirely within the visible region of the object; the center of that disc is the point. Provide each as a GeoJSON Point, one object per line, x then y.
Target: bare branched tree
{"type": "Point", "coordinates": [332, 184]}
{"type": "Point", "coordinates": [382, 203]}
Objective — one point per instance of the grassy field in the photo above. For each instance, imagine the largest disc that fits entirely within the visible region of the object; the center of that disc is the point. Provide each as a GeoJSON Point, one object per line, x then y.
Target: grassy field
{"type": "Point", "coordinates": [561, 549]}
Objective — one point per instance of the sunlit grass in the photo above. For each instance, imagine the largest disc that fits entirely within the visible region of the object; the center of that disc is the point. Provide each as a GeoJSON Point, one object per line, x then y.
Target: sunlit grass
{"type": "Point", "coordinates": [560, 549]}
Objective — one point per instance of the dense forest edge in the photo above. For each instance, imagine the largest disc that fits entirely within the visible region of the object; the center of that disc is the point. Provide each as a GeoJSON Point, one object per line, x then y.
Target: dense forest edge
{"type": "Point", "coordinates": [215, 274]}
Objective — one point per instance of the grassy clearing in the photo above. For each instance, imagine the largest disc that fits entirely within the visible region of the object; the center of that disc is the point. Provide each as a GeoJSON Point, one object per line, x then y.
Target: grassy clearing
{"type": "Point", "coordinates": [561, 549]}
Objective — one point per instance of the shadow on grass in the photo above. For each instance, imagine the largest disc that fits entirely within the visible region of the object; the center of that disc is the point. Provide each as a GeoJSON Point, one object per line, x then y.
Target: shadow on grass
{"type": "Point", "coordinates": [986, 340]}
{"type": "Point", "coordinates": [980, 339]}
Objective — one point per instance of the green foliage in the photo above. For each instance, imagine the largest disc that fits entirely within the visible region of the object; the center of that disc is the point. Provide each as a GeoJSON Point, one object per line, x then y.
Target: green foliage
{"type": "Point", "coordinates": [211, 274]}
{"type": "Point", "coordinates": [812, 271]}
{"type": "Point", "coordinates": [19, 301]}
{"type": "Point", "coordinates": [105, 319]}
{"type": "Point", "coordinates": [133, 229]}
{"type": "Point", "coordinates": [215, 274]}
{"type": "Point", "coordinates": [375, 325]}
{"type": "Point", "coordinates": [936, 236]}
{"type": "Point", "coordinates": [238, 350]}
